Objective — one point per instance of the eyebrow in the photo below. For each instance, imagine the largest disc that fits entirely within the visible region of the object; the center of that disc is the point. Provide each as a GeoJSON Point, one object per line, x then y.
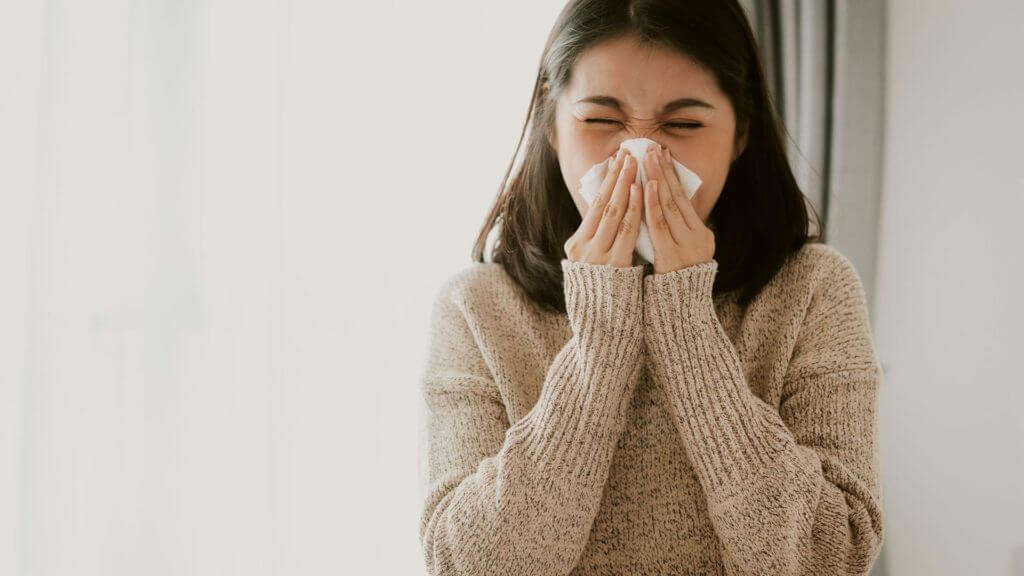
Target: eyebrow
{"type": "Point", "coordinates": [676, 104]}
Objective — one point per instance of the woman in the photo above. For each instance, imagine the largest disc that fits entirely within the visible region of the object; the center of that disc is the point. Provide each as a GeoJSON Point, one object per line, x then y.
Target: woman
{"type": "Point", "coordinates": [712, 412]}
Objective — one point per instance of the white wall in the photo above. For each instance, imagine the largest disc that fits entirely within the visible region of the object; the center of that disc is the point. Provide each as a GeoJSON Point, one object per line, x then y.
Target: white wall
{"type": "Point", "coordinates": [222, 225]}
{"type": "Point", "coordinates": [950, 320]}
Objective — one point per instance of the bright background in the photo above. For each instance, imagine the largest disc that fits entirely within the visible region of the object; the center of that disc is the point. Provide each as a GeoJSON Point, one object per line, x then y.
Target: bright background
{"type": "Point", "coordinates": [222, 224]}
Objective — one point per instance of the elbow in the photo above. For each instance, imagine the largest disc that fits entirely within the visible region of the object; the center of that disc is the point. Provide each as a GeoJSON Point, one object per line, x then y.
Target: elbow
{"type": "Point", "coordinates": [866, 532]}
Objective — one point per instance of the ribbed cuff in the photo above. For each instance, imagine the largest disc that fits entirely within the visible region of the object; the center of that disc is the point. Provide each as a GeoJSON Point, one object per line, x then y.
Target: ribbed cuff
{"type": "Point", "coordinates": [581, 408]}
{"type": "Point", "coordinates": [729, 435]}
{"type": "Point", "coordinates": [579, 415]}
{"type": "Point", "coordinates": [684, 293]}
{"type": "Point", "coordinates": [602, 297]}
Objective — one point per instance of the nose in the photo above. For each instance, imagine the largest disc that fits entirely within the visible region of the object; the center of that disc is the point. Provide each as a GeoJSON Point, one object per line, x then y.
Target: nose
{"type": "Point", "coordinates": [641, 131]}
{"type": "Point", "coordinates": [634, 147]}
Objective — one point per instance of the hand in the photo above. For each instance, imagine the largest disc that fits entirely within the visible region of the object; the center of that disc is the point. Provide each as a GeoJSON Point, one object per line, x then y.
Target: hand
{"type": "Point", "coordinates": [608, 232]}
{"type": "Point", "coordinates": [679, 236]}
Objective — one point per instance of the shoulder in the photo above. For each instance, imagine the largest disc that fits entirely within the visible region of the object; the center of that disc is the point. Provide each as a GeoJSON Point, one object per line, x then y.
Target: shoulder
{"type": "Point", "coordinates": [480, 289]}
{"type": "Point", "coordinates": [825, 293]}
{"type": "Point", "coordinates": [483, 305]}
{"type": "Point", "coordinates": [817, 268]}
{"type": "Point", "coordinates": [820, 257]}
{"type": "Point", "coordinates": [472, 282]}
{"type": "Point", "coordinates": [458, 312]}
{"type": "Point", "coordinates": [817, 285]}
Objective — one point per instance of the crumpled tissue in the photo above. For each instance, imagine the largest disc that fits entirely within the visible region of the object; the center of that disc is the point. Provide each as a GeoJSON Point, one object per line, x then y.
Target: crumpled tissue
{"type": "Point", "coordinates": [590, 185]}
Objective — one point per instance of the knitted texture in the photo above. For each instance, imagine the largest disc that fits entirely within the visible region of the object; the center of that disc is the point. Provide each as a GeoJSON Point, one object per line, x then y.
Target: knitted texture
{"type": "Point", "coordinates": [654, 428]}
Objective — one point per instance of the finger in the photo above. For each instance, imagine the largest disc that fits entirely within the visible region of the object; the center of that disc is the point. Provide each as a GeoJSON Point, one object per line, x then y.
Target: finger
{"type": "Point", "coordinates": [593, 215]}
{"type": "Point", "coordinates": [616, 206]}
{"type": "Point", "coordinates": [629, 229]}
{"type": "Point", "coordinates": [656, 224]}
{"type": "Point", "coordinates": [690, 216]}
{"type": "Point", "coordinates": [676, 224]}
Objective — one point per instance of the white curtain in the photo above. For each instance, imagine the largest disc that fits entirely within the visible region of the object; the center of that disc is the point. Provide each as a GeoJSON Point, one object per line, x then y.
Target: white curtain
{"type": "Point", "coordinates": [221, 227]}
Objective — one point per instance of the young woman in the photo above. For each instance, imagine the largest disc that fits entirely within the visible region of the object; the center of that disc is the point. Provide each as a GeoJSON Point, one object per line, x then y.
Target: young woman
{"type": "Point", "coordinates": [712, 412]}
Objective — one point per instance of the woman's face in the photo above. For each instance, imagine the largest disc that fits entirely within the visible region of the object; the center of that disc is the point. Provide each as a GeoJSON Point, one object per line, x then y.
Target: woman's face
{"type": "Point", "coordinates": [643, 81]}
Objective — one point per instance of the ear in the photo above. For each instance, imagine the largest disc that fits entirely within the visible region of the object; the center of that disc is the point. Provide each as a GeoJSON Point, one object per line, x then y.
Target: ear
{"type": "Point", "coordinates": [741, 145]}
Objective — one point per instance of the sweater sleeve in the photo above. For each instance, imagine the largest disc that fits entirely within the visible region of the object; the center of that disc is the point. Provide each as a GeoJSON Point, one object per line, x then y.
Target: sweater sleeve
{"type": "Point", "coordinates": [790, 491]}
{"type": "Point", "coordinates": [521, 498]}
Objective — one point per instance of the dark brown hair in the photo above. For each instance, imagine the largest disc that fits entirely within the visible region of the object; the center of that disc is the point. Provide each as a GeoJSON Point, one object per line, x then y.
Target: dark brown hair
{"type": "Point", "coordinates": [761, 216]}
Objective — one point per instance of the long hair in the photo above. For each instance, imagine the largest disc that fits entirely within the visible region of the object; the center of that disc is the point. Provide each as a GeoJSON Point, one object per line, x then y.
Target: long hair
{"type": "Point", "coordinates": [761, 216]}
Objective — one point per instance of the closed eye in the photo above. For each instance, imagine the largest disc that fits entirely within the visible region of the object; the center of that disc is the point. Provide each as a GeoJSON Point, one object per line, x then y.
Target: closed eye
{"type": "Point", "coordinates": [677, 125]}
{"type": "Point", "coordinates": [687, 125]}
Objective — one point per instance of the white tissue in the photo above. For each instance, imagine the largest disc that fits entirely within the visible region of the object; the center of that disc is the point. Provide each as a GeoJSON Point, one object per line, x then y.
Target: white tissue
{"type": "Point", "coordinates": [590, 185]}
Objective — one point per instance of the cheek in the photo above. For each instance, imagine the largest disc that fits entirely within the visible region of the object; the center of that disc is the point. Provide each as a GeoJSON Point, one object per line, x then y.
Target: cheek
{"type": "Point", "coordinates": [587, 149]}
{"type": "Point", "coordinates": [708, 155]}
{"type": "Point", "coordinates": [577, 155]}
{"type": "Point", "coordinates": [707, 195]}
{"type": "Point", "coordinates": [712, 164]}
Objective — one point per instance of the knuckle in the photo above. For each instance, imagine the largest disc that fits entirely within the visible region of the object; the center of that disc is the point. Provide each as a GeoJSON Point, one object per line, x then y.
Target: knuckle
{"type": "Point", "coordinates": [571, 246]}
{"type": "Point", "coordinates": [611, 210]}
{"type": "Point", "coordinates": [625, 227]}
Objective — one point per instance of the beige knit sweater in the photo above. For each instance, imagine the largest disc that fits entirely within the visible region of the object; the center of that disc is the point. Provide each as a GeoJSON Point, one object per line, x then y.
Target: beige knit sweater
{"type": "Point", "coordinates": [654, 428]}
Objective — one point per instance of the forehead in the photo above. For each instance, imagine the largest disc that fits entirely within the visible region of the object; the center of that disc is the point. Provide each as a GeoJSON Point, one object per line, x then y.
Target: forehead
{"type": "Point", "coordinates": [642, 76]}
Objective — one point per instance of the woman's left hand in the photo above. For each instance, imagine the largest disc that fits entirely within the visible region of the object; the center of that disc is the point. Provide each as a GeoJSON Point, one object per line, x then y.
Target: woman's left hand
{"type": "Point", "coordinates": [679, 236]}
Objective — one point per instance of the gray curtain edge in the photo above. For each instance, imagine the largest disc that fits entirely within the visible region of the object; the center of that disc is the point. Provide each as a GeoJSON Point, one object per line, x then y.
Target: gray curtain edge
{"type": "Point", "coordinates": [825, 64]}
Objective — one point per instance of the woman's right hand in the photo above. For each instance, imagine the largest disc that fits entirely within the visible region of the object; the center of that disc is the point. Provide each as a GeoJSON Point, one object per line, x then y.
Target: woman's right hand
{"type": "Point", "coordinates": [610, 227]}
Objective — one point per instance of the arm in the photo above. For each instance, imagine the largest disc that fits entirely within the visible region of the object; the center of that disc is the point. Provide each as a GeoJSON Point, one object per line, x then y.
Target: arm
{"type": "Point", "coordinates": [521, 498]}
{"type": "Point", "coordinates": [793, 491]}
